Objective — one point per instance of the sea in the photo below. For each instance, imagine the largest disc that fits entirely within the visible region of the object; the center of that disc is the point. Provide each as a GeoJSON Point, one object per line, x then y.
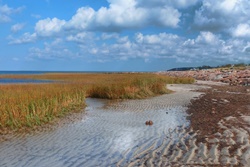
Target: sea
{"type": "Point", "coordinates": [44, 72]}
{"type": "Point", "coordinates": [21, 81]}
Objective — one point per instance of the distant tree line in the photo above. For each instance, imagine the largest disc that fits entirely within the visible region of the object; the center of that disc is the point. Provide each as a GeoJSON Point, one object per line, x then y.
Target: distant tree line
{"type": "Point", "coordinates": [234, 65]}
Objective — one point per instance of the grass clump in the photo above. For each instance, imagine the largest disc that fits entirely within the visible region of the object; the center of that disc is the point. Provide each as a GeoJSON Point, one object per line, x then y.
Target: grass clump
{"type": "Point", "coordinates": [135, 86]}
{"type": "Point", "coordinates": [132, 88]}
{"type": "Point", "coordinates": [30, 105]}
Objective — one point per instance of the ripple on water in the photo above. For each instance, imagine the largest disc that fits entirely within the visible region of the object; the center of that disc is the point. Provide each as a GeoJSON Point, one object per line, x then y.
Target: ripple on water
{"type": "Point", "coordinates": [109, 135]}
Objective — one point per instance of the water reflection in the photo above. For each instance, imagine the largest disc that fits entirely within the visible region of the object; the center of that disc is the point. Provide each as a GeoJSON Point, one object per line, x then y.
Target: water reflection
{"type": "Point", "coordinates": [109, 135]}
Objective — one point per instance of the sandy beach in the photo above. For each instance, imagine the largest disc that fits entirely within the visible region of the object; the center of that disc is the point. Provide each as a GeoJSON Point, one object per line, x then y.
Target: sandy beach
{"type": "Point", "coordinates": [197, 125]}
{"type": "Point", "coordinates": [222, 122]}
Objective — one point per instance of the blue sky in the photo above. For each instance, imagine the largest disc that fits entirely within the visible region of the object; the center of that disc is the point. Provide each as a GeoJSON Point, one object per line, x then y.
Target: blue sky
{"type": "Point", "coordinates": [122, 35]}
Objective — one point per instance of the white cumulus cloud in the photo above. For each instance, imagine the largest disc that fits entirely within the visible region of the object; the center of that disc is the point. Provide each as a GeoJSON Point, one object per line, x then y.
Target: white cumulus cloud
{"type": "Point", "coordinates": [119, 15]}
{"type": "Point", "coordinates": [123, 14]}
{"type": "Point", "coordinates": [49, 27]}
{"type": "Point", "coordinates": [216, 15]}
{"type": "Point", "coordinates": [159, 3]}
{"type": "Point", "coordinates": [242, 30]}
{"type": "Point", "coordinates": [207, 38]}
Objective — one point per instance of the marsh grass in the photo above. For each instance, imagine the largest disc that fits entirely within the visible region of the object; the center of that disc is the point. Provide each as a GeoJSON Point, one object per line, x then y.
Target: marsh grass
{"type": "Point", "coordinates": [28, 105]}
{"type": "Point", "coordinates": [133, 86]}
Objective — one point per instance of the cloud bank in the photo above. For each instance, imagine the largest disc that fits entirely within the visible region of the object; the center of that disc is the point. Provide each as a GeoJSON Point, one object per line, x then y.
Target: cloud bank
{"type": "Point", "coordinates": [220, 30]}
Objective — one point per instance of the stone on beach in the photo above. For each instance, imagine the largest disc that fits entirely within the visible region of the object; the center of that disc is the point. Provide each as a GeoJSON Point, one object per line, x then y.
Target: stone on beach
{"type": "Point", "coordinates": [149, 122]}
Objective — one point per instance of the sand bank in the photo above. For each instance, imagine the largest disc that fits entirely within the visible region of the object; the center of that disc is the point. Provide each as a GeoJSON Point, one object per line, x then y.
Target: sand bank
{"type": "Point", "coordinates": [221, 120]}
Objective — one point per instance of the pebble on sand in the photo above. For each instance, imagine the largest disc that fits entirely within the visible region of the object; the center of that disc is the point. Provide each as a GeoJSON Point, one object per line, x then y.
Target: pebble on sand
{"type": "Point", "coordinates": [149, 122]}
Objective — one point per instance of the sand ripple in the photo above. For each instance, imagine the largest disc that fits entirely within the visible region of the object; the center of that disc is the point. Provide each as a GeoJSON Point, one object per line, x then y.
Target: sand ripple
{"type": "Point", "coordinates": [115, 134]}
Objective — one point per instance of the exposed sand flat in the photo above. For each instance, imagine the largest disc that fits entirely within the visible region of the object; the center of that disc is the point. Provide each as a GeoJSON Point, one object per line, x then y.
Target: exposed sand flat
{"type": "Point", "coordinates": [210, 83]}
{"type": "Point", "coordinates": [215, 151]}
{"type": "Point", "coordinates": [222, 118]}
{"type": "Point", "coordinates": [115, 134]}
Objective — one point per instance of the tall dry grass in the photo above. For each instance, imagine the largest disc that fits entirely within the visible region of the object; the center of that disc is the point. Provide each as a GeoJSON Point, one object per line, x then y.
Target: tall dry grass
{"type": "Point", "coordinates": [27, 105]}
{"type": "Point", "coordinates": [133, 86]}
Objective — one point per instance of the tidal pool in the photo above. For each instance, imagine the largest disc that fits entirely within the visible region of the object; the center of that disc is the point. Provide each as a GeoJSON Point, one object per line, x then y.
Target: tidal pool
{"type": "Point", "coordinates": [109, 134]}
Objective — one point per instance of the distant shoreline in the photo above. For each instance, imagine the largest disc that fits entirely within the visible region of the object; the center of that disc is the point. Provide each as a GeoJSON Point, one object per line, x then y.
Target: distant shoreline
{"type": "Point", "coordinates": [69, 72]}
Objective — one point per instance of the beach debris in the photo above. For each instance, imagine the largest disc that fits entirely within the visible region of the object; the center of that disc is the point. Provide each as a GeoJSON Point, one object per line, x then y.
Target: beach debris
{"type": "Point", "coordinates": [214, 100]}
{"type": "Point", "coordinates": [149, 122]}
{"type": "Point", "coordinates": [213, 110]}
{"type": "Point", "coordinates": [225, 100]}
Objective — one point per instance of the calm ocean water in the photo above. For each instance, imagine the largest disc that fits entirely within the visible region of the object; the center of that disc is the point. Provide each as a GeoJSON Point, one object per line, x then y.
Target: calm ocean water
{"type": "Point", "coordinates": [44, 72]}
{"type": "Point", "coordinates": [19, 72]}
{"type": "Point", "coordinates": [20, 81]}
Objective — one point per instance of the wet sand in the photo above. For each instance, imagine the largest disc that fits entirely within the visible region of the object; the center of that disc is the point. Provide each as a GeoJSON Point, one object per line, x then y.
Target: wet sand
{"type": "Point", "coordinates": [115, 134]}
{"type": "Point", "coordinates": [221, 119]}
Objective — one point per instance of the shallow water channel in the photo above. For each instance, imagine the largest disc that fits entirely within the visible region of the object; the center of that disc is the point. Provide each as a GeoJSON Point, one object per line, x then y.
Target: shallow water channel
{"type": "Point", "coordinates": [109, 134]}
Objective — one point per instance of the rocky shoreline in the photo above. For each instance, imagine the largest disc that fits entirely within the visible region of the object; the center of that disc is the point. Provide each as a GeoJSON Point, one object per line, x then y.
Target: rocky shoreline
{"type": "Point", "coordinates": [220, 118]}
{"type": "Point", "coordinates": [229, 76]}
